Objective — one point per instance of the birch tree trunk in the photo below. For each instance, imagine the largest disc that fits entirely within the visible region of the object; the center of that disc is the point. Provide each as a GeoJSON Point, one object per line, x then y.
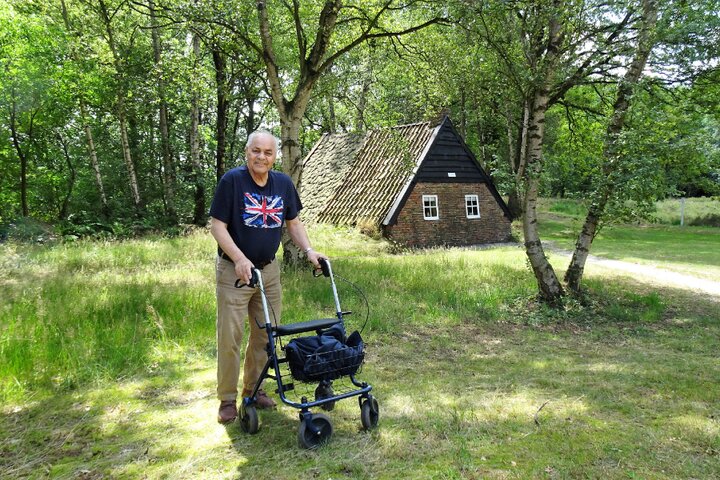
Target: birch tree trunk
{"type": "Point", "coordinates": [95, 165]}
{"type": "Point", "coordinates": [646, 41]}
{"type": "Point", "coordinates": [94, 160]}
{"type": "Point", "coordinates": [127, 156]}
{"type": "Point", "coordinates": [121, 111]}
{"type": "Point", "coordinates": [548, 284]}
{"type": "Point", "coordinates": [167, 160]}
{"type": "Point", "coordinates": [518, 160]}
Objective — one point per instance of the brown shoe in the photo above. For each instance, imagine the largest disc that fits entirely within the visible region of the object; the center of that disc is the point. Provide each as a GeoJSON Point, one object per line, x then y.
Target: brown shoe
{"type": "Point", "coordinates": [227, 412]}
{"type": "Point", "coordinates": [263, 401]}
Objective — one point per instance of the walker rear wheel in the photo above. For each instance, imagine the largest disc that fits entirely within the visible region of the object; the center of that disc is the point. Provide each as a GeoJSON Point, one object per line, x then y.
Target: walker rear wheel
{"type": "Point", "coordinates": [313, 436]}
{"type": "Point", "coordinates": [369, 413]}
{"type": "Point", "coordinates": [249, 419]}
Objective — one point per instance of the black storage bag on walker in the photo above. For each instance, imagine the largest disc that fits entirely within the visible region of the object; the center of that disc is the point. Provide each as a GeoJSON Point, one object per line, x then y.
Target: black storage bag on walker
{"type": "Point", "coordinates": [326, 356]}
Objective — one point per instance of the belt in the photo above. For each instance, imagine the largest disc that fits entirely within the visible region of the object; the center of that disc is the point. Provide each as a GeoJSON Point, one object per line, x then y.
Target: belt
{"type": "Point", "coordinates": [259, 265]}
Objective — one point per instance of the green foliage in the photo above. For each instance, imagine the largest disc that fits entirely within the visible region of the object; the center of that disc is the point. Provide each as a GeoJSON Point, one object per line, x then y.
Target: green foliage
{"type": "Point", "coordinates": [50, 71]}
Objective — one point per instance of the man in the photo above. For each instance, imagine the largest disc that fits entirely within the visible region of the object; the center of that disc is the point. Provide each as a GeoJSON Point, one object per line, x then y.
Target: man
{"type": "Point", "coordinates": [250, 206]}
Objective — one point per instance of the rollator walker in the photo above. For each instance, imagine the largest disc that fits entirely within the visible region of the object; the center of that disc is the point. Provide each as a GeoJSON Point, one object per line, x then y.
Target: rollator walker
{"type": "Point", "coordinates": [328, 358]}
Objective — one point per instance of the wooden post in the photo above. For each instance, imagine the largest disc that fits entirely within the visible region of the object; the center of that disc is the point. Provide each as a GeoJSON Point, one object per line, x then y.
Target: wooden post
{"type": "Point", "coordinates": [682, 211]}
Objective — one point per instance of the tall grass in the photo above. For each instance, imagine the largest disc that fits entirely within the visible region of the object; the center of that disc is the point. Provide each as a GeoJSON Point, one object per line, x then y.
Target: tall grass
{"type": "Point", "coordinates": [699, 212]}
{"type": "Point", "coordinates": [693, 211]}
{"type": "Point", "coordinates": [95, 311]}
{"type": "Point", "coordinates": [89, 312]}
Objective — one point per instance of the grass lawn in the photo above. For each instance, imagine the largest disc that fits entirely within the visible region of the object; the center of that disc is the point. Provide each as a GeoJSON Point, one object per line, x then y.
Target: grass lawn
{"type": "Point", "coordinates": [689, 250]}
{"type": "Point", "coordinates": [107, 369]}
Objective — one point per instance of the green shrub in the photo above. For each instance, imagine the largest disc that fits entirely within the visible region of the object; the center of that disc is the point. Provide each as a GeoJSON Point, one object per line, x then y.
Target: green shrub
{"type": "Point", "coordinates": [709, 220]}
{"type": "Point", "coordinates": [26, 229]}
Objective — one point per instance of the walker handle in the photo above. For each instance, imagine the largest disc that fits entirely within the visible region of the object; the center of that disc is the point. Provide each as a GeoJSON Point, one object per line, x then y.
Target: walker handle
{"type": "Point", "coordinates": [324, 268]}
{"type": "Point", "coordinates": [252, 283]}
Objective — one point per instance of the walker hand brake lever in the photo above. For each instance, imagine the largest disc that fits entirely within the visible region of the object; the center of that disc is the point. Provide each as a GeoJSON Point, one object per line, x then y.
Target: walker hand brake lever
{"type": "Point", "coordinates": [323, 270]}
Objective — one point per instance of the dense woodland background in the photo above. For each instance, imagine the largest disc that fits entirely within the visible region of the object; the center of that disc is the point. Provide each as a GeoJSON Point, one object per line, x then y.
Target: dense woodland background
{"type": "Point", "coordinates": [118, 117]}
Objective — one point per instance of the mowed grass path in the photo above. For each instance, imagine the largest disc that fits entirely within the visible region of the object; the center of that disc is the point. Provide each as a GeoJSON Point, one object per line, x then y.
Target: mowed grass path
{"type": "Point", "coordinates": [108, 370]}
{"type": "Point", "coordinates": [689, 250]}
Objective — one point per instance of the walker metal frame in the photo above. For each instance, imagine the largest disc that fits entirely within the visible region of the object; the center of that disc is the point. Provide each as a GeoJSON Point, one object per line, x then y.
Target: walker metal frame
{"type": "Point", "coordinates": [315, 428]}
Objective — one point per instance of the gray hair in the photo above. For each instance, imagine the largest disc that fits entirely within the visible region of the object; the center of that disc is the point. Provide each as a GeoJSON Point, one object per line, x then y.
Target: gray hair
{"type": "Point", "coordinates": [258, 132]}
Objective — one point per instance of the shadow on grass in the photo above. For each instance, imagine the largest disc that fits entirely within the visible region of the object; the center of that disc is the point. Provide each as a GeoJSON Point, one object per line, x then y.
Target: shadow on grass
{"type": "Point", "coordinates": [460, 396]}
{"type": "Point", "coordinates": [473, 399]}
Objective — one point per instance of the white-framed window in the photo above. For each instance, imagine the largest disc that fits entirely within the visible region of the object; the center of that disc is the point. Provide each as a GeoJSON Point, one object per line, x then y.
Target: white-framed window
{"type": "Point", "coordinates": [472, 206]}
{"type": "Point", "coordinates": [430, 207]}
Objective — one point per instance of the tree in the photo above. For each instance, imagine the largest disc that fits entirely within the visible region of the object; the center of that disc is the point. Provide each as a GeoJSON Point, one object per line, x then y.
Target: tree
{"type": "Point", "coordinates": [612, 152]}
{"type": "Point", "coordinates": [546, 49]}
{"type": "Point", "coordinates": [168, 165]}
{"type": "Point", "coordinates": [75, 57]}
{"type": "Point", "coordinates": [314, 50]}
{"type": "Point", "coordinates": [107, 15]}
{"type": "Point", "coordinates": [30, 51]}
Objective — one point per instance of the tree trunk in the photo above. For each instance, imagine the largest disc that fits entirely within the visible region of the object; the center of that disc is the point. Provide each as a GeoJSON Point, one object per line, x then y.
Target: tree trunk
{"type": "Point", "coordinates": [222, 112]}
{"type": "Point", "coordinates": [362, 101]}
{"type": "Point", "coordinates": [548, 284]}
{"type": "Point", "coordinates": [232, 154]}
{"type": "Point", "coordinates": [199, 212]}
{"type": "Point", "coordinates": [121, 113]}
{"type": "Point", "coordinates": [71, 181]}
{"type": "Point", "coordinates": [94, 160]}
{"type": "Point", "coordinates": [332, 118]}
{"type": "Point", "coordinates": [250, 125]}
{"type": "Point", "coordinates": [292, 164]}
{"type": "Point", "coordinates": [646, 41]}
{"type": "Point", "coordinates": [86, 126]}
{"type": "Point", "coordinates": [134, 188]}
{"type": "Point", "coordinates": [167, 160]}
{"type": "Point", "coordinates": [517, 156]}
{"type": "Point", "coordinates": [22, 157]}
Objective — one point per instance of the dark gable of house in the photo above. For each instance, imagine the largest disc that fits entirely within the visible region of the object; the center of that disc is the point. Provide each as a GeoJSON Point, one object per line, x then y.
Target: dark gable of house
{"type": "Point", "coordinates": [449, 161]}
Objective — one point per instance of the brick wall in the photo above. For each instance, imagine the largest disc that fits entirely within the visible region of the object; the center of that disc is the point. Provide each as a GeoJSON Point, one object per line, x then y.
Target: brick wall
{"type": "Point", "coordinates": [453, 228]}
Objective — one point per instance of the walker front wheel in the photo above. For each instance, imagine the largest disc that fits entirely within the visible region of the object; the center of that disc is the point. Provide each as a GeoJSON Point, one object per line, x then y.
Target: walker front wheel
{"type": "Point", "coordinates": [369, 413]}
{"type": "Point", "coordinates": [315, 431]}
{"type": "Point", "coordinates": [249, 419]}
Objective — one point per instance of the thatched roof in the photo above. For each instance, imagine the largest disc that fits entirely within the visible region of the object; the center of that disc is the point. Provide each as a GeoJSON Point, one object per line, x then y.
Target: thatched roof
{"type": "Point", "coordinates": [350, 178]}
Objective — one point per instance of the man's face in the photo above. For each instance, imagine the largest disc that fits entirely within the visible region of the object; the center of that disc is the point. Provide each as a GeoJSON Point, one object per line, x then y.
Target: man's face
{"type": "Point", "coordinates": [260, 154]}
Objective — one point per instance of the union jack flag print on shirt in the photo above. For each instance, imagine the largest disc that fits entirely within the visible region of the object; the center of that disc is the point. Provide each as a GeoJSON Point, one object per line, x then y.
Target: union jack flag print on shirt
{"type": "Point", "coordinates": [262, 211]}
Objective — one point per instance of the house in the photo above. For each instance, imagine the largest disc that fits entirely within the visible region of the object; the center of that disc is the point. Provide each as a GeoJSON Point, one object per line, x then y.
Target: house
{"type": "Point", "coordinates": [419, 183]}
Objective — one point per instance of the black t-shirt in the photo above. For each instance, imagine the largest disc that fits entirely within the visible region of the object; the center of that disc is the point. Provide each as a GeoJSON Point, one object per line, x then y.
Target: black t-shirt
{"type": "Point", "coordinates": [255, 214]}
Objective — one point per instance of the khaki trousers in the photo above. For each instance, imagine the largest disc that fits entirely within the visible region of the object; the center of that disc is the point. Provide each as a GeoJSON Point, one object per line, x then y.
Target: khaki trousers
{"type": "Point", "coordinates": [234, 305]}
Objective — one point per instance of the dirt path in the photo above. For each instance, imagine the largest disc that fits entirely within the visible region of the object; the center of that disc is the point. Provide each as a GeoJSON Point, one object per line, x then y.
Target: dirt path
{"type": "Point", "coordinates": [648, 274]}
